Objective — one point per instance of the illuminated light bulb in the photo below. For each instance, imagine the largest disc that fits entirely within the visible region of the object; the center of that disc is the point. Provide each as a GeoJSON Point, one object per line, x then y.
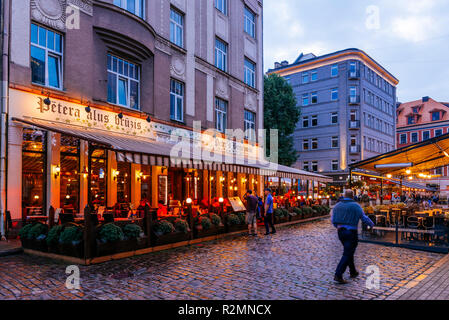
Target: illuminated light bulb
{"type": "Point", "coordinates": [389, 176]}
{"type": "Point", "coordinates": [408, 172]}
{"type": "Point", "coordinates": [189, 200]}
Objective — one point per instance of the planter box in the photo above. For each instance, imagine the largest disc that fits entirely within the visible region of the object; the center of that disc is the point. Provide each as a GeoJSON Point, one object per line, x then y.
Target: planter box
{"type": "Point", "coordinates": [235, 228]}
{"type": "Point", "coordinates": [171, 238]}
{"type": "Point", "coordinates": [106, 249]}
{"type": "Point", "coordinates": [213, 231]}
{"type": "Point", "coordinates": [295, 218]}
{"type": "Point", "coordinates": [37, 245]}
{"type": "Point", "coordinates": [279, 220]}
{"type": "Point", "coordinates": [71, 250]}
{"type": "Point", "coordinates": [53, 249]}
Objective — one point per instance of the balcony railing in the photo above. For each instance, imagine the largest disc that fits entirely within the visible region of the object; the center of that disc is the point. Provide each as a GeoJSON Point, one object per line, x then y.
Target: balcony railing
{"type": "Point", "coordinates": [354, 149]}
{"type": "Point", "coordinates": [354, 99]}
{"type": "Point", "coordinates": [354, 124]}
{"type": "Point", "coordinates": [354, 74]}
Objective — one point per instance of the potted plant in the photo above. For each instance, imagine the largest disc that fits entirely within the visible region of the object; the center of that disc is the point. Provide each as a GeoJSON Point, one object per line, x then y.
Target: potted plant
{"type": "Point", "coordinates": [234, 223]}
{"type": "Point", "coordinates": [71, 241]}
{"type": "Point", "coordinates": [53, 238]}
{"type": "Point", "coordinates": [24, 235]}
{"type": "Point", "coordinates": [299, 214]}
{"type": "Point", "coordinates": [108, 238]}
{"type": "Point", "coordinates": [204, 227]}
{"type": "Point", "coordinates": [36, 235]}
{"type": "Point", "coordinates": [308, 212]}
{"type": "Point", "coordinates": [166, 233]}
{"type": "Point", "coordinates": [134, 238]}
{"type": "Point", "coordinates": [217, 223]}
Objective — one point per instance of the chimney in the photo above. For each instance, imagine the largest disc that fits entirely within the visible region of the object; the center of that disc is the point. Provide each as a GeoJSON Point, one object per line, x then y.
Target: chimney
{"type": "Point", "coordinates": [425, 99]}
{"type": "Point", "coordinates": [284, 63]}
{"type": "Point", "coordinates": [277, 65]}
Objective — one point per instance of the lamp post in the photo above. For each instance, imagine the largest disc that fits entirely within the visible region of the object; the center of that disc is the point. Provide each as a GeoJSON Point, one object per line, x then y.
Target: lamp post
{"type": "Point", "coordinates": [221, 201]}
{"type": "Point", "coordinates": [189, 212]}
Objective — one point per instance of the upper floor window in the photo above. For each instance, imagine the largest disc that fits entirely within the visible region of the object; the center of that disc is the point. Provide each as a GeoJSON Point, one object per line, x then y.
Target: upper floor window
{"type": "Point", "coordinates": [438, 132]}
{"type": "Point", "coordinates": [334, 118]}
{"type": "Point", "coordinates": [250, 73]}
{"type": "Point", "coordinates": [136, 7]}
{"type": "Point", "coordinates": [222, 6]}
{"type": "Point", "coordinates": [250, 125]}
{"type": "Point", "coordinates": [353, 91]}
{"type": "Point", "coordinates": [334, 165]}
{"type": "Point", "coordinates": [415, 109]}
{"type": "Point", "coordinates": [250, 23]}
{"type": "Point", "coordinates": [314, 121]}
{"type": "Point", "coordinates": [314, 97]}
{"type": "Point", "coordinates": [334, 70]}
{"type": "Point", "coordinates": [334, 94]}
{"type": "Point", "coordinates": [305, 166]}
{"type": "Point", "coordinates": [305, 100]}
{"type": "Point", "coordinates": [436, 116]}
{"type": "Point", "coordinates": [334, 142]}
{"type": "Point", "coordinates": [176, 100]}
{"type": "Point", "coordinates": [305, 145]}
{"type": "Point", "coordinates": [221, 55]}
{"type": "Point", "coordinates": [123, 82]}
{"type": "Point", "coordinates": [411, 120]}
{"type": "Point", "coordinates": [414, 137]}
{"type": "Point", "coordinates": [314, 75]}
{"type": "Point", "coordinates": [46, 57]}
{"type": "Point", "coordinates": [352, 67]}
{"type": "Point", "coordinates": [403, 138]}
{"type": "Point", "coordinates": [176, 27]}
{"type": "Point", "coordinates": [305, 122]}
{"type": "Point", "coordinates": [305, 77]}
{"type": "Point", "coordinates": [315, 166]}
{"type": "Point", "coordinates": [426, 135]}
{"type": "Point", "coordinates": [314, 144]}
{"type": "Point", "coordinates": [221, 110]}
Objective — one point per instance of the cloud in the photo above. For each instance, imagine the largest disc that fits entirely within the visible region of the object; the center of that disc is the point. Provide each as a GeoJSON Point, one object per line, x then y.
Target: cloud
{"type": "Point", "coordinates": [414, 28]}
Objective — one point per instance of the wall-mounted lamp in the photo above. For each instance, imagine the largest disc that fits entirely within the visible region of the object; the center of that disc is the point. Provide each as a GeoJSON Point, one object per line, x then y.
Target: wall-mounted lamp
{"type": "Point", "coordinates": [47, 100]}
{"type": "Point", "coordinates": [189, 201]}
{"type": "Point", "coordinates": [149, 119]}
{"type": "Point", "coordinates": [115, 174]}
{"type": "Point", "coordinates": [56, 171]}
{"type": "Point", "coordinates": [88, 109]}
{"type": "Point", "coordinates": [85, 173]}
{"type": "Point", "coordinates": [139, 176]}
{"type": "Point", "coordinates": [120, 115]}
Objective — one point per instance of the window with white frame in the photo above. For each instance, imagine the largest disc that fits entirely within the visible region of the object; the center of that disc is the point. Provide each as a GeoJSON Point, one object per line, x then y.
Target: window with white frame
{"type": "Point", "coordinates": [221, 109]}
{"type": "Point", "coordinates": [305, 100]}
{"type": "Point", "coordinates": [176, 100]}
{"type": "Point", "coordinates": [250, 73]}
{"type": "Point", "coordinates": [123, 82]}
{"type": "Point", "coordinates": [313, 75]}
{"type": "Point", "coordinates": [305, 77]}
{"type": "Point", "coordinates": [314, 97]}
{"type": "Point", "coordinates": [136, 7]}
{"type": "Point", "coordinates": [315, 166]}
{"type": "Point", "coordinates": [222, 6]}
{"type": "Point", "coordinates": [334, 94]}
{"type": "Point", "coordinates": [353, 91]}
{"type": "Point", "coordinates": [305, 166]}
{"type": "Point", "coordinates": [314, 144]}
{"type": "Point", "coordinates": [426, 135]}
{"type": "Point", "coordinates": [250, 125]}
{"type": "Point", "coordinates": [334, 118]}
{"type": "Point", "coordinates": [305, 122]}
{"type": "Point", "coordinates": [46, 57]}
{"type": "Point", "coordinates": [403, 138]}
{"type": "Point", "coordinates": [334, 142]}
{"type": "Point", "coordinates": [250, 22]}
{"type": "Point", "coordinates": [176, 27]}
{"type": "Point", "coordinates": [221, 55]}
{"type": "Point", "coordinates": [334, 165]}
{"type": "Point", "coordinates": [314, 121]}
{"type": "Point", "coordinates": [438, 132]}
{"type": "Point", "coordinates": [334, 70]}
{"type": "Point", "coordinates": [305, 145]}
{"type": "Point", "coordinates": [414, 137]}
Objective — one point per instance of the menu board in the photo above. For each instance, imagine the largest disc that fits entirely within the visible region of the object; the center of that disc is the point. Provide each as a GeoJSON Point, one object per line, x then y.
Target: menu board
{"type": "Point", "coordinates": [163, 189]}
{"type": "Point", "coordinates": [237, 204]}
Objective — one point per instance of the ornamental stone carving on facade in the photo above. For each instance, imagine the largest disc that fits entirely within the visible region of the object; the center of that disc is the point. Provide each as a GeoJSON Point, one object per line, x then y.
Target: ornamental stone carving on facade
{"type": "Point", "coordinates": [178, 67]}
{"type": "Point", "coordinates": [49, 12]}
{"type": "Point", "coordinates": [250, 100]}
{"type": "Point", "coordinates": [222, 87]}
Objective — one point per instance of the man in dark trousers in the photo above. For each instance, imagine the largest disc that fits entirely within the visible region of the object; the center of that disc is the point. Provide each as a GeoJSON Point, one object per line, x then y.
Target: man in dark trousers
{"type": "Point", "coordinates": [251, 212]}
{"type": "Point", "coordinates": [268, 219]}
{"type": "Point", "coordinates": [345, 217]}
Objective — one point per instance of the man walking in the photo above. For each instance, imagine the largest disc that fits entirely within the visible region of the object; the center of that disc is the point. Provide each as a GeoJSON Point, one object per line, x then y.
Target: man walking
{"type": "Point", "coordinates": [345, 217]}
{"type": "Point", "coordinates": [251, 213]}
{"type": "Point", "coordinates": [269, 212]}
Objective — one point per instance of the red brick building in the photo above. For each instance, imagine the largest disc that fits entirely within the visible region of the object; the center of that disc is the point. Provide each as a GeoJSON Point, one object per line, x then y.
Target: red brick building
{"type": "Point", "coordinates": [421, 120]}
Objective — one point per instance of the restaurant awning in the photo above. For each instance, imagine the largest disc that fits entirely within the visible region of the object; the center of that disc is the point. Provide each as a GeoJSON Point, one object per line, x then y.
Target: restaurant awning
{"type": "Point", "coordinates": [148, 151]}
{"type": "Point", "coordinates": [412, 185]}
{"type": "Point", "coordinates": [419, 158]}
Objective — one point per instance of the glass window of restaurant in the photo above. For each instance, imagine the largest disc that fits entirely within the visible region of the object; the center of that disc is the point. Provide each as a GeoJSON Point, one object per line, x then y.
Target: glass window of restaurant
{"type": "Point", "coordinates": [213, 184]}
{"type": "Point", "coordinates": [145, 183]}
{"type": "Point", "coordinates": [33, 171]}
{"type": "Point", "coordinates": [98, 175]}
{"type": "Point", "coordinates": [124, 182]}
{"type": "Point", "coordinates": [232, 185]}
{"type": "Point", "coordinates": [69, 176]}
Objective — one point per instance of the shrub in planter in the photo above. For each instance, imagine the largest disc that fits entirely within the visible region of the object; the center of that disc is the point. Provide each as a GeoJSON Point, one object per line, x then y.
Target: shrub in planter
{"type": "Point", "coordinates": [308, 212]}
{"type": "Point", "coordinates": [233, 220]}
{"type": "Point", "coordinates": [71, 235]}
{"type": "Point", "coordinates": [298, 212]}
{"type": "Point", "coordinates": [53, 238]}
{"type": "Point", "coordinates": [132, 231]}
{"type": "Point", "coordinates": [163, 227]}
{"type": "Point", "coordinates": [216, 220]}
{"type": "Point", "coordinates": [24, 231]}
{"type": "Point", "coordinates": [37, 231]}
{"type": "Point", "coordinates": [111, 233]}
{"type": "Point", "coordinates": [181, 226]}
{"type": "Point", "coordinates": [242, 217]}
{"type": "Point", "coordinates": [205, 223]}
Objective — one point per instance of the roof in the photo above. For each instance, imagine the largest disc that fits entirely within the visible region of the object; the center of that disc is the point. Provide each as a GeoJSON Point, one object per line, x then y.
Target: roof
{"type": "Point", "coordinates": [301, 61]}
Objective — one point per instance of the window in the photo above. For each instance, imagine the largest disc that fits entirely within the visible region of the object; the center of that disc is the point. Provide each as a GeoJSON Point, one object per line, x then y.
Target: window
{"type": "Point", "coordinates": [176, 27]}
{"type": "Point", "coordinates": [250, 125]}
{"type": "Point", "coordinates": [305, 100]}
{"type": "Point", "coordinates": [334, 142]}
{"type": "Point", "coordinates": [436, 116]}
{"type": "Point", "coordinates": [314, 75]}
{"type": "Point", "coordinates": [334, 165]}
{"type": "Point", "coordinates": [69, 169]}
{"type": "Point", "coordinates": [221, 108]}
{"type": "Point", "coordinates": [46, 57]}
{"type": "Point", "coordinates": [305, 145]}
{"type": "Point", "coordinates": [314, 144]}
{"type": "Point", "coordinates": [352, 67]}
{"type": "Point", "coordinates": [305, 122]}
{"type": "Point", "coordinates": [353, 91]}
{"type": "Point", "coordinates": [305, 77]}
{"type": "Point", "coordinates": [334, 70]}
{"type": "Point", "coordinates": [314, 97]}
{"type": "Point", "coordinates": [403, 138]}
{"type": "Point", "coordinates": [123, 82]}
{"type": "Point", "coordinates": [250, 23]}
{"type": "Point", "coordinates": [314, 121]}
{"type": "Point", "coordinates": [222, 6]}
{"type": "Point", "coordinates": [136, 7]}
{"type": "Point", "coordinates": [306, 166]}
{"type": "Point", "coordinates": [221, 53]}
{"type": "Point", "coordinates": [334, 118]}
{"type": "Point", "coordinates": [353, 141]}
{"type": "Point", "coordinates": [314, 166]}
{"type": "Point", "coordinates": [250, 73]}
{"type": "Point", "coordinates": [176, 100]}
{"type": "Point", "coordinates": [334, 94]}
{"type": "Point", "coordinates": [426, 135]}
{"type": "Point", "coordinates": [411, 120]}
{"type": "Point", "coordinates": [415, 109]}
{"type": "Point", "coordinates": [438, 132]}
{"type": "Point", "coordinates": [414, 137]}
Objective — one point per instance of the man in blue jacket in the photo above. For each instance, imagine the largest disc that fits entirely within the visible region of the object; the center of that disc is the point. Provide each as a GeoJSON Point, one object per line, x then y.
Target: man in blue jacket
{"type": "Point", "coordinates": [345, 217]}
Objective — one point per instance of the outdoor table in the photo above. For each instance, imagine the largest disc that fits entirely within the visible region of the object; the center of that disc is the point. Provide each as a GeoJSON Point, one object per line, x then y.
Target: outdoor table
{"type": "Point", "coordinates": [37, 218]}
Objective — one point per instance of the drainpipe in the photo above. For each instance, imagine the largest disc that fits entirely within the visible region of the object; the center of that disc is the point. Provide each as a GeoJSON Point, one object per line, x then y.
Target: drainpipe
{"type": "Point", "coordinates": [5, 14]}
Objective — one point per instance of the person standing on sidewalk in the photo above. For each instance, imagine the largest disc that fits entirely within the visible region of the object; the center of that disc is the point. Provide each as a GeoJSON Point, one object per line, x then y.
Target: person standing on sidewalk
{"type": "Point", "coordinates": [345, 217]}
{"type": "Point", "coordinates": [251, 212]}
{"type": "Point", "coordinates": [268, 219]}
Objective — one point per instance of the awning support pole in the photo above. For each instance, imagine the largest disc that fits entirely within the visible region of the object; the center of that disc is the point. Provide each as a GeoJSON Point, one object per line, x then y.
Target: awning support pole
{"type": "Point", "coordinates": [381, 191]}
{"type": "Point", "coordinates": [350, 178]}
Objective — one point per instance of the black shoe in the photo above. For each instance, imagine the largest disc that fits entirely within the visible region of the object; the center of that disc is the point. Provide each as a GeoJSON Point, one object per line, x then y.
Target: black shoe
{"type": "Point", "coordinates": [267, 234]}
{"type": "Point", "coordinates": [354, 275]}
{"type": "Point", "coordinates": [340, 280]}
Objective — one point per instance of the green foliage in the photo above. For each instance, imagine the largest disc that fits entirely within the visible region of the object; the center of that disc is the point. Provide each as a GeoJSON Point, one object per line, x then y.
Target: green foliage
{"type": "Point", "coordinates": [70, 235]}
{"type": "Point", "coordinates": [53, 235]}
{"type": "Point", "coordinates": [132, 231]}
{"type": "Point", "coordinates": [205, 223]}
{"type": "Point", "coordinates": [297, 210]}
{"type": "Point", "coordinates": [164, 227]}
{"type": "Point", "coordinates": [307, 210]}
{"type": "Point", "coordinates": [292, 213]}
{"type": "Point", "coordinates": [233, 220]}
{"type": "Point", "coordinates": [111, 233]}
{"type": "Point", "coordinates": [37, 230]}
{"type": "Point", "coordinates": [281, 212]}
{"type": "Point", "coordinates": [216, 220]}
{"type": "Point", "coordinates": [242, 217]}
{"type": "Point", "coordinates": [181, 226]}
{"type": "Point", "coordinates": [281, 113]}
{"type": "Point", "coordinates": [24, 231]}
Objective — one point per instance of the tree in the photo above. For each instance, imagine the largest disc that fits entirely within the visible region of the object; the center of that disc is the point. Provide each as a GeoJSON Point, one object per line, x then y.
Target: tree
{"type": "Point", "coordinates": [282, 113]}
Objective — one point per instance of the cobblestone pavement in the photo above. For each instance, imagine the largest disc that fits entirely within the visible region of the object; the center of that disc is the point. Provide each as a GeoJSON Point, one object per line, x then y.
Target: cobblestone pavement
{"type": "Point", "coordinates": [296, 263]}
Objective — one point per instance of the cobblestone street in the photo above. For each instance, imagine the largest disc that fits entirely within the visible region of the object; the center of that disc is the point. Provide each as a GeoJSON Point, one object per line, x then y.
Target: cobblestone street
{"type": "Point", "coordinates": [296, 263]}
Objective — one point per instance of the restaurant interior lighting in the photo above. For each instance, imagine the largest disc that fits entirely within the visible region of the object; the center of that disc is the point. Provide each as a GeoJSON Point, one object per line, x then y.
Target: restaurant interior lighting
{"type": "Point", "coordinates": [189, 201]}
{"type": "Point", "coordinates": [56, 171]}
{"type": "Point", "coordinates": [85, 172]}
{"type": "Point", "coordinates": [393, 165]}
{"type": "Point", "coordinates": [221, 200]}
{"type": "Point", "coordinates": [389, 176]}
{"type": "Point", "coordinates": [408, 171]}
{"type": "Point", "coordinates": [115, 174]}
